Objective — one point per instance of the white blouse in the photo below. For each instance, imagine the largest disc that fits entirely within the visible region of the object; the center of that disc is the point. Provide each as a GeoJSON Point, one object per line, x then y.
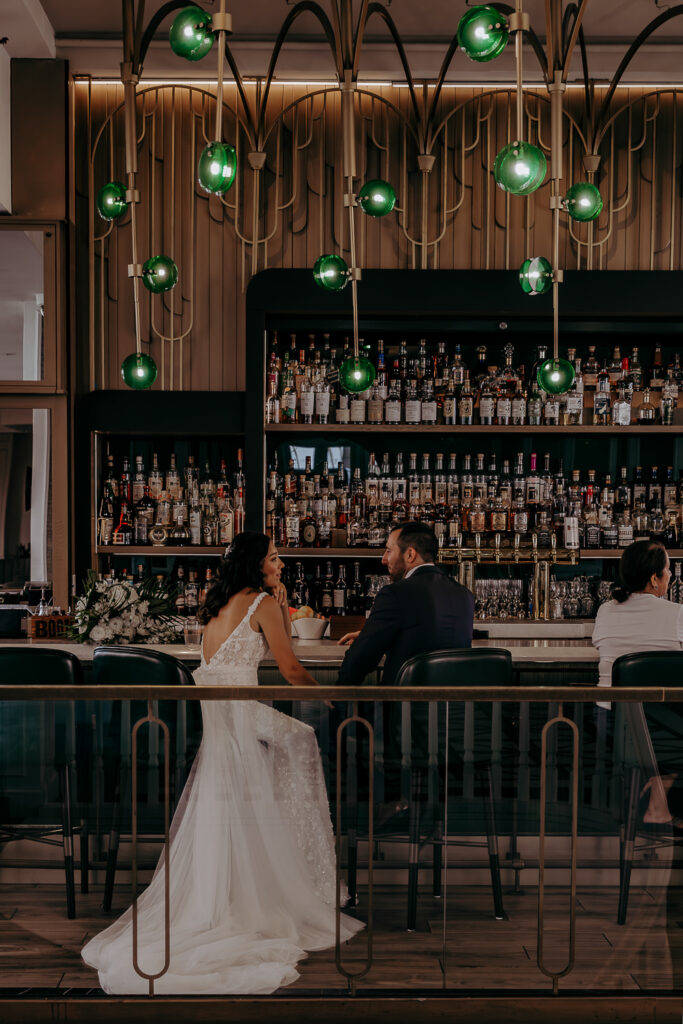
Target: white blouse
{"type": "Point", "coordinates": [643, 622]}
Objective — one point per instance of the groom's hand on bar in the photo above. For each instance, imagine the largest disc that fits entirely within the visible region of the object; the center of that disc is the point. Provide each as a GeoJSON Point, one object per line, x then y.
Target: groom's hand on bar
{"type": "Point", "coordinates": [348, 638]}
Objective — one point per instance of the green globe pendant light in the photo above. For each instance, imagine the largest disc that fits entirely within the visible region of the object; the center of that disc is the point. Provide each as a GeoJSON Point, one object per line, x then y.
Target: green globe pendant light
{"type": "Point", "coordinates": [519, 168]}
{"type": "Point", "coordinates": [536, 275]}
{"type": "Point", "coordinates": [139, 371]}
{"type": "Point", "coordinates": [482, 33]}
{"type": "Point", "coordinates": [583, 201]}
{"type": "Point", "coordinates": [190, 34]}
{"type": "Point", "coordinates": [331, 272]}
{"type": "Point", "coordinates": [217, 166]}
{"type": "Point", "coordinates": [356, 374]}
{"type": "Point", "coordinates": [377, 198]}
{"type": "Point", "coordinates": [111, 200]}
{"type": "Point", "coordinates": [555, 376]}
{"type": "Point", "coordinates": [159, 274]}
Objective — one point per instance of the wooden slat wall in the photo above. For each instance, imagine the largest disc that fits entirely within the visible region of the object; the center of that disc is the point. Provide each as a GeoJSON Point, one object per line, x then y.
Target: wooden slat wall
{"type": "Point", "coordinates": [470, 223]}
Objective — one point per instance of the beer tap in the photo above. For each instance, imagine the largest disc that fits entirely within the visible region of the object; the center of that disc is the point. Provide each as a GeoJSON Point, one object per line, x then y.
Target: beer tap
{"type": "Point", "coordinates": [515, 553]}
{"type": "Point", "coordinates": [477, 546]}
{"type": "Point", "coordinates": [496, 544]}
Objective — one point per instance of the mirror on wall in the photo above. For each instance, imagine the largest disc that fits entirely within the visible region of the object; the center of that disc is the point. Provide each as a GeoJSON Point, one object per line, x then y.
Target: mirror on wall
{"type": "Point", "coordinates": [25, 497]}
{"type": "Point", "coordinates": [22, 305]}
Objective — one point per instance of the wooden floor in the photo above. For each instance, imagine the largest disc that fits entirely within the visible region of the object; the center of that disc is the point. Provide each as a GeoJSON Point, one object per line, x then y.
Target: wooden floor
{"type": "Point", "coordinates": [40, 947]}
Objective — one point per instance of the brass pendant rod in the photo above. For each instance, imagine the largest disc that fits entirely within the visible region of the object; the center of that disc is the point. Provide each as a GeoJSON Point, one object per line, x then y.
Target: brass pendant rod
{"type": "Point", "coordinates": [219, 76]}
{"type": "Point", "coordinates": [348, 89]}
{"type": "Point", "coordinates": [129, 79]}
{"type": "Point", "coordinates": [520, 76]}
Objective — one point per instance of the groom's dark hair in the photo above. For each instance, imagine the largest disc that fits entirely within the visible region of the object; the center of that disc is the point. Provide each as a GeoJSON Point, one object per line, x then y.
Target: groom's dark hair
{"type": "Point", "coordinates": [241, 568]}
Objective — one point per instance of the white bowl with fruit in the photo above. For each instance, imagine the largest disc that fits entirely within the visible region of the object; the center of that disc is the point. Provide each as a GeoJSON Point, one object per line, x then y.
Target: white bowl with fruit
{"type": "Point", "coordinates": [306, 625]}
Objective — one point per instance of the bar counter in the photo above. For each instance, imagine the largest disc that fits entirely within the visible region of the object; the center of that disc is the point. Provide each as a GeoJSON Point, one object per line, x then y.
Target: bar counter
{"type": "Point", "coordinates": [532, 645]}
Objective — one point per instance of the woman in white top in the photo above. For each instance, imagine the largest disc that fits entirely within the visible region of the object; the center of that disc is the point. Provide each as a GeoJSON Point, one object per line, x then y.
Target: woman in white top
{"type": "Point", "coordinates": [637, 620]}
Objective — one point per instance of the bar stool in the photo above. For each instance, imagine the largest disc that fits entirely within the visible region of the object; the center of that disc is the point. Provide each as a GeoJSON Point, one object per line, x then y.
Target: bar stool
{"type": "Point", "coordinates": [420, 742]}
{"type": "Point", "coordinates": [31, 666]}
{"type": "Point", "coordinates": [133, 666]}
{"type": "Point", "coordinates": [648, 669]}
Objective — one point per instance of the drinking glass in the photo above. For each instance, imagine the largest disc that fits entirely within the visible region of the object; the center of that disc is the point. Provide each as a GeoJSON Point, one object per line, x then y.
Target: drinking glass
{"type": "Point", "coordinates": [192, 631]}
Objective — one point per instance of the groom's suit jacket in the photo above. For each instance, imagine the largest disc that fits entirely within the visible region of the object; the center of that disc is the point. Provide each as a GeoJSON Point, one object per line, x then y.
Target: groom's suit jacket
{"type": "Point", "coordinates": [427, 612]}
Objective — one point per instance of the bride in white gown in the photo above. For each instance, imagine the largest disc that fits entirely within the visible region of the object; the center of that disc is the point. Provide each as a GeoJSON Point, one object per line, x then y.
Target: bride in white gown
{"type": "Point", "coordinates": [252, 862]}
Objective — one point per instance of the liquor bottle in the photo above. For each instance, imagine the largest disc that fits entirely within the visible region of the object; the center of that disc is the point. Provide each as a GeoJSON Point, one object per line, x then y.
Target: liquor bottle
{"type": "Point", "coordinates": [306, 401]}
{"type": "Point", "coordinates": [180, 608]}
{"type": "Point", "coordinates": [622, 498]}
{"type": "Point", "coordinates": [534, 408]}
{"type": "Point", "coordinates": [357, 408]}
{"type": "Point", "coordinates": [288, 396]}
{"type": "Point", "coordinates": [621, 410]}
{"type": "Point", "coordinates": [239, 511]}
{"type": "Point", "coordinates": [381, 378]}
{"type": "Point", "coordinates": [210, 526]}
{"type": "Point", "coordinates": [105, 521]}
{"type": "Point", "coordinates": [239, 479]}
{"type": "Point", "coordinates": [323, 525]}
{"type": "Point", "coordinates": [392, 406]}
{"type": "Point", "coordinates": [192, 481]}
{"type": "Point", "coordinates": [635, 369]}
{"type": "Point", "coordinates": [195, 522]}
{"type": "Point", "coordinates": [123, 533]}
{"type": "Point", "coordinates": [327, 591]}
{"type": "Point", "coordinates": [669, 490]}
{"type": "Point", "coordinates": [602, 402]}
{"type": "Point", "coordinates": [322, 400]}
{"type": "Point", "coordinates": [518, 406]}
{"type": "Point", "coordinates": [124, 489]}
{"type": "Point", "coordinates": [541, 356]}
{"type": "Point", "coordinates": [192, 593]}
{"type": "Point", "coordinates": [676, 587]}
{"type": "Point", "coordinates": [207, 487]}
{"type": "Point", "coordinates": [155, 480]}
{"type": "Point", "coordinates": [299, 594]}
{"type": "Point", "coordinates": [226, 522]}
{"type": "Point", "coordinates": [647, 413]}
{"type": "Point", "coordinates": [139, 480]}
{"type": "Point", "coordinates": [413, 405]}
{"type": "Point", "coordinates": [449, 408]}
{"type": "Point", "coordinates": [487, 403]}
{"type": "Point", "coordinates": [657, 374]}
{"type": "Point", "coordinates": [668, 402]}
{"type": "Point", "coordinates": [466, 402]}
{"type": "Point", "coordinates": [533, 483]}
{"type": "Point", "coordinates": [309, 533]}
{"type": "Point", "coordinates": [339, 593]}
{"type": "Point", "coordinates": [551, 410]}
{"type": "Point", "coordinates": [292, 525]}
{"type": "Point", "coordinates": [273, 404]}
{"type": "Point", "coordinates": [654, 489]}
{"type": "Point", "coordinates": [110, 484]}
{"type": "Point", "coordinates": [143, 516]}
{"type": "Point", "coordinates": [504, 403]}
{"type": "Point", "coordinates": [208, 580]}
{"type": "Point", "coordinates": [615, 370]}
{"type": "Point", "coordinates": [591, 368]}
{"type": "Point", "coordinates": [356, 597]}
{"type": "Point", "coordinates": [428, 402]}
{"type": "Point", "coordinates": [625, 530]}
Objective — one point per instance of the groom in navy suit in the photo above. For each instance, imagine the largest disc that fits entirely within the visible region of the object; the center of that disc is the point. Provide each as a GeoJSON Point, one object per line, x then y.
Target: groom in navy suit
{"type": "Point", "coordinates": [421, 610]}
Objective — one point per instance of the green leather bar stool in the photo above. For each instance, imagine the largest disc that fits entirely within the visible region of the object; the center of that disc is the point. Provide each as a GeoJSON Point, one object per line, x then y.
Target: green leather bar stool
{"type": "Point", "coordinates": [133, 666]}
{"type": "Point", "coordinates": [648, 669]}
{"type": "Point", "coordinates": [444, 668]}
{"type": "Point", "coordinates": [33, 666]}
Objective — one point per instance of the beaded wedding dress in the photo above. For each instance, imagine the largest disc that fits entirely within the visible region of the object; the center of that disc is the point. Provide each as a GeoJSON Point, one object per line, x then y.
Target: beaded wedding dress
{"type": "Point", "coordinates": [252, 860]}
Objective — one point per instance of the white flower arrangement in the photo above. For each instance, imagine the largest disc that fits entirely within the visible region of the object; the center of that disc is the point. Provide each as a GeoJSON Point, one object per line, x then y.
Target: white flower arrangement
{"type": "Point", "coordinates": [125, 613]}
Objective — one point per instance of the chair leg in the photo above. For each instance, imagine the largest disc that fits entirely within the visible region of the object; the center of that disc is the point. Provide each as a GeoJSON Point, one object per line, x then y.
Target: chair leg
{"type": "Point", "coordinates": [414, 848]}
{"type": "Point", "coordinates": [114, 839]}
{"type": "Point", "coordinates": [492, 843]}
{"type": "Point", "coordinates": [628, 844]}
{"type": "Point", "coordinates": [85, 854]}
{"type": "Point", "coordinates": [68, 843]}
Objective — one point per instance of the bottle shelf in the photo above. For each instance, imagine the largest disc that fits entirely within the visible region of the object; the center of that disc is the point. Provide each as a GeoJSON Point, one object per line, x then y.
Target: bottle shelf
{"type": "Point", "coordinates": [477, 428]}
{"type": "Point", "coordinates": [331, 552]}
{"type": "Point", "coordinates": [506, 553]}
{"type": "Point", "coordinates": [162, 550]}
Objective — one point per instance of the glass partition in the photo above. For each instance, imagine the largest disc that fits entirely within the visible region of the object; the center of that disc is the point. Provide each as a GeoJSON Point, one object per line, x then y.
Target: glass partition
{"type": "Point", "coordinates": [523, 845]}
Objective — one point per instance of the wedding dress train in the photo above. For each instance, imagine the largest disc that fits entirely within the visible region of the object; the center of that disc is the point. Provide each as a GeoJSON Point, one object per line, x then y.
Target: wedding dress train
{"type": "Point", "coordinates": [252, 860]}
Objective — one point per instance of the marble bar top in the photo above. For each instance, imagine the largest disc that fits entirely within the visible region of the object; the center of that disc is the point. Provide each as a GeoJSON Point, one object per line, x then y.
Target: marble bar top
{"type": "Point", "coordinates": [567, 651]}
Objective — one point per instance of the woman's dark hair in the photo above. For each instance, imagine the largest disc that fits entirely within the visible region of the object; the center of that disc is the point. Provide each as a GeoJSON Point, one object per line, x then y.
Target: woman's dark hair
{"type": "Point", "coordinates": [639, 562]}
{"type": "Point", "coordinates": [242, 567]}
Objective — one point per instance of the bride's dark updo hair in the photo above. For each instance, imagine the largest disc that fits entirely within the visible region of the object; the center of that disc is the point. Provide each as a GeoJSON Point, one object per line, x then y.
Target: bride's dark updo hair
{"type": "Point", "coordinates": [640, 561]}
{"type": "Point", "coordinates": [242, 567]}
